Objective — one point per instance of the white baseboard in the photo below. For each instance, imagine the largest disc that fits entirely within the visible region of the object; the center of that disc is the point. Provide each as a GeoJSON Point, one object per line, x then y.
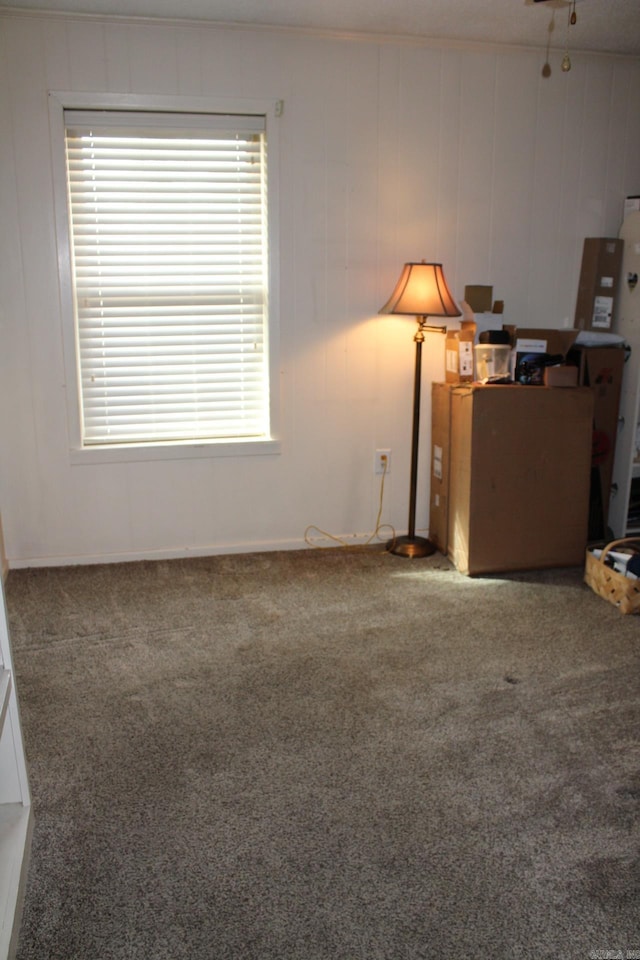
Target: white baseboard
{"type": "Point", "coordinates": [260, 546]}
{"type": "Point", "coordinates": [172, 553]}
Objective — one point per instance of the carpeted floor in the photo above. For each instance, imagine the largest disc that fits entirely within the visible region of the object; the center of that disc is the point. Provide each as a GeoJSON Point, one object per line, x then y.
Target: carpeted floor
{"type": "Point", "coordinates": [327, 755]}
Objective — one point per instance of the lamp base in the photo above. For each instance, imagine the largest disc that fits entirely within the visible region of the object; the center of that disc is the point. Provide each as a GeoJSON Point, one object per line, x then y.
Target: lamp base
{"type": "Point", "coordinates": [411, 547]}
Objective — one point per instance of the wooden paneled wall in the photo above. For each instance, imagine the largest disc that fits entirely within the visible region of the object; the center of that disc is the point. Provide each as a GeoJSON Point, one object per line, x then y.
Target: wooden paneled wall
{"type": "Point", "coordinates": [389, 151]}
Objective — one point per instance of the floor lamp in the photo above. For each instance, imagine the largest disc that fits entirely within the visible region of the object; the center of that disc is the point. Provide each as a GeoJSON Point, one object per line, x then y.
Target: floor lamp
{"type": "Point", "coordinates": [422, 292]}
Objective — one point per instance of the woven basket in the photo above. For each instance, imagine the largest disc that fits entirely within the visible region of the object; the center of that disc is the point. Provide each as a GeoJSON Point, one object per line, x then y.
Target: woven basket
{"type": "Point", "coordinates": [621, 591]}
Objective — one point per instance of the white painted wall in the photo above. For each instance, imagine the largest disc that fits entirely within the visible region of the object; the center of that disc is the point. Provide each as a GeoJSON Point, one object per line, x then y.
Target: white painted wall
{"type": "Point", "coordinates": [390, 151]}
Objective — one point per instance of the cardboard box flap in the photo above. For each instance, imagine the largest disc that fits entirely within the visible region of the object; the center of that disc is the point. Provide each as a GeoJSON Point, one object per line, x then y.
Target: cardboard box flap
{"type": "Point", "coordinates": [541, 339]}
{"type": "Point", "coordinates": [479, 297]}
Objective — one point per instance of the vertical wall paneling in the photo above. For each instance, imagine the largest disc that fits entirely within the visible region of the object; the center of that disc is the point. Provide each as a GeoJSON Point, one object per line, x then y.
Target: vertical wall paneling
{"type": "Point", "coordinates": [573, 153]}
{"type": "Point", "coordinates": [627, 136]}
{"type": "Point", "coordinates": [477, 155]}
{"type": "Point", "coordinates": [623, 141]}
{"type": "Point", "coordinates": [544, 282]}
{"type": "Point", "coordinates": [38, 342]}
{"type": "Point", "coordinates": [388, 151]}
{"type": "Point", "coordinates": [392, 247]}
{"type": "Point", "coordinates": [118, 59]}
{"type": "Point", "coordinates": [596, 136]}
{"type": "Point", "coordinates": [188, 66]}
{"type": "Point", "coordinates": [19, 487]}
{"type": "Point", "coordinates": [58, 64]}
{"type": "Point", "coordinates": [419, 136]}
{"type": "Point", "coordinates": [513, 180]}
{"type": "Point", "coordinates": [451, 220]}
{"type": "Point", "coordinates": [87, 55]}
{"type": "Point", "coordinates": [154, 62]}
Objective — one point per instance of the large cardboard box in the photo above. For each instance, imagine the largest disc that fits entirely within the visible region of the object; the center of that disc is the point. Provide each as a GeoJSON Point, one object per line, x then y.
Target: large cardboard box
{"type": "Point", "coordinates": [601, 368]}
{"type": "Point", "coordinates": [598, 285]}
{"type": "Point", "coordinates": [439, 493]}
{"type": "Point", "coordinates": [518, 463]}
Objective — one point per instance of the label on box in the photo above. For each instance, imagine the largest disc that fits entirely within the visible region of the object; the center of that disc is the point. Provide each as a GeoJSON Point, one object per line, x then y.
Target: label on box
{"type": "Point", "coordinates": [437, 462]}
{"type": "Point", "coordinates": [602, 311]}
{"type": "Point", "coordinates": [451, 360]}
{"type": "Point", "coordinates": [631, 204]}
{"type": "Point", "coordinates": [606, 281]}
{"type": "Point", "coordinates": [466, 358]}
{"type": "Point", "coordinates": [527, 345]}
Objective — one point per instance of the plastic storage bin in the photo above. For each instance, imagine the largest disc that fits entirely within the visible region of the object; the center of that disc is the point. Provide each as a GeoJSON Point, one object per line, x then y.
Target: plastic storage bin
{"type": "Point", "coordinates": [492, 360]}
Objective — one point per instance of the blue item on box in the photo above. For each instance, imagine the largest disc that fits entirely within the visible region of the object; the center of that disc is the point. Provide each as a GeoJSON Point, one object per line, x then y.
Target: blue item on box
{"type": "Point", "coordinates": [530, 367]}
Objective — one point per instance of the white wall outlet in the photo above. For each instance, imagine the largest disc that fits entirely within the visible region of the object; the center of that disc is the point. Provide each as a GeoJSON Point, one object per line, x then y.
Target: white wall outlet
{"type": "Point", "coordinates": [382, 461]}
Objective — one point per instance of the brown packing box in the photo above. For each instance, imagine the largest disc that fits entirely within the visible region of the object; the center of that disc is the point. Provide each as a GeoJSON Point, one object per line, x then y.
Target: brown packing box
{"type": "Point", "coordinates": [561, 376]}
{"type": "Point", "coordinates": [458, 354]}
{"type": "Point", "coordinates": [479, 297]}
{"type": "Point", "coordinates": [598, 284]}
{"type": "Point", "coordinates": [542, 339]}
{"type": "Point", "coordinates": [518, 465]}
{"type": "Point", "coordinates": [601, 368]}
{"type": "Point", "coordinates": [439, 496]}
{"type": "Point", "coordinates": [545, 340]}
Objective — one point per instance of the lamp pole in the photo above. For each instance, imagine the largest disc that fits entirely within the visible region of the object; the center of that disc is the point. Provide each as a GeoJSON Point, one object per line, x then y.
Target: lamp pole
{"type": "Point", "coordinates": [411, 545]}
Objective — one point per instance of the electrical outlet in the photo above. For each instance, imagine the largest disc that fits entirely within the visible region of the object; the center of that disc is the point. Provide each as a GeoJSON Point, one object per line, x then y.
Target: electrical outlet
{"type": "Point", "coordinates": [382, 461]}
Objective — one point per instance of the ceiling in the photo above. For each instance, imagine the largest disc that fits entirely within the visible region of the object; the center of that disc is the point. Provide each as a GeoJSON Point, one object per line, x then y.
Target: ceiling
{"type": "Point", "coordinates": [608, 26]}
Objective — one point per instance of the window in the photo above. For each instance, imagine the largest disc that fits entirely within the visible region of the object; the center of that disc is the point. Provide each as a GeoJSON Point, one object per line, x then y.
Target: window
{"type": "Point", "coordinates": [169, 266]}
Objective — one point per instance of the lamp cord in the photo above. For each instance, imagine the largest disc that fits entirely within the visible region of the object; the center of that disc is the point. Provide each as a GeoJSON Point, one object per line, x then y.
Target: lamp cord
{"type": "Point", "coordinates": [372, 536]}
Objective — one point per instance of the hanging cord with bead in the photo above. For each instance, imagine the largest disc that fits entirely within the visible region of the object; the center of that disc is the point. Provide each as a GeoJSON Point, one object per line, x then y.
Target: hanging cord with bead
{"type": "Point", "coordinates": [572, 19]}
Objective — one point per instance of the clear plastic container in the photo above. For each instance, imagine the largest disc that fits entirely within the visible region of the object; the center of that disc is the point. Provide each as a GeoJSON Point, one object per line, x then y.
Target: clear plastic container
{"type": "Point", "coordinates": [492, 360]}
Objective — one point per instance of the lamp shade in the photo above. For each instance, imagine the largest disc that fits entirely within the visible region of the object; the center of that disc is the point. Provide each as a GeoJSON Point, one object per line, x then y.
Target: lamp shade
{"type": "Point", "coordinates": [423, 292]}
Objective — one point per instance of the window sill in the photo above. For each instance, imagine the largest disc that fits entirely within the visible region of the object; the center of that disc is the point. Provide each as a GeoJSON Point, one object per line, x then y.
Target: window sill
{"type": "Point", "coordinates": [131, 453]}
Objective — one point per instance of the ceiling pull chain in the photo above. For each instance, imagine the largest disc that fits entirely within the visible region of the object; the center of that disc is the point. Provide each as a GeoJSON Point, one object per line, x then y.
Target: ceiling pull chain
{"type": "Point", "coordinates": [565, 66]}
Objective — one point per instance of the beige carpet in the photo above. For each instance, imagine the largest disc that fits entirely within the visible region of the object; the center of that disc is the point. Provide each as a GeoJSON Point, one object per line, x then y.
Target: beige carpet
{"type": "Point", "coordinates": [327, 755]}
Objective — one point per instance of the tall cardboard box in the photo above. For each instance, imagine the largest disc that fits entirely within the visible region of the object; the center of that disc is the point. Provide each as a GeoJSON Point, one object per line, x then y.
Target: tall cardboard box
{"type": "Point", "coordinates": [440, 435]}
{"type": "Point", "coordinates": [598, 285]}
{"type": "Point", "coordinates": [518, 467]}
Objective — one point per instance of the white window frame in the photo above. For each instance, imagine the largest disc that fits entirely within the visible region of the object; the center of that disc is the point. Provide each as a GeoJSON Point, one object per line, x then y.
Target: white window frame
{"type": "Point", "coordinates": [59, 101]}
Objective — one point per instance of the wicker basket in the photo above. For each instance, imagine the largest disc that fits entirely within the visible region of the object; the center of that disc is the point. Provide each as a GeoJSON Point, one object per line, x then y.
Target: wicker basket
{"type": "Point", "coordinates": [622, 591]}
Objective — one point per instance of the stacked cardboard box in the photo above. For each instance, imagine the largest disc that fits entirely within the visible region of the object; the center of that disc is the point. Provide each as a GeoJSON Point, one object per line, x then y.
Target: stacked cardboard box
{"type": "Point", "coordinates": [598, 367]}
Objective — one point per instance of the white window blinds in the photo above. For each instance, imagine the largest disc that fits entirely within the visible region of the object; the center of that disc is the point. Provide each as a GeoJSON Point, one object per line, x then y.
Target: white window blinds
{"type": "Point", "coordinates": [169, 256]}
